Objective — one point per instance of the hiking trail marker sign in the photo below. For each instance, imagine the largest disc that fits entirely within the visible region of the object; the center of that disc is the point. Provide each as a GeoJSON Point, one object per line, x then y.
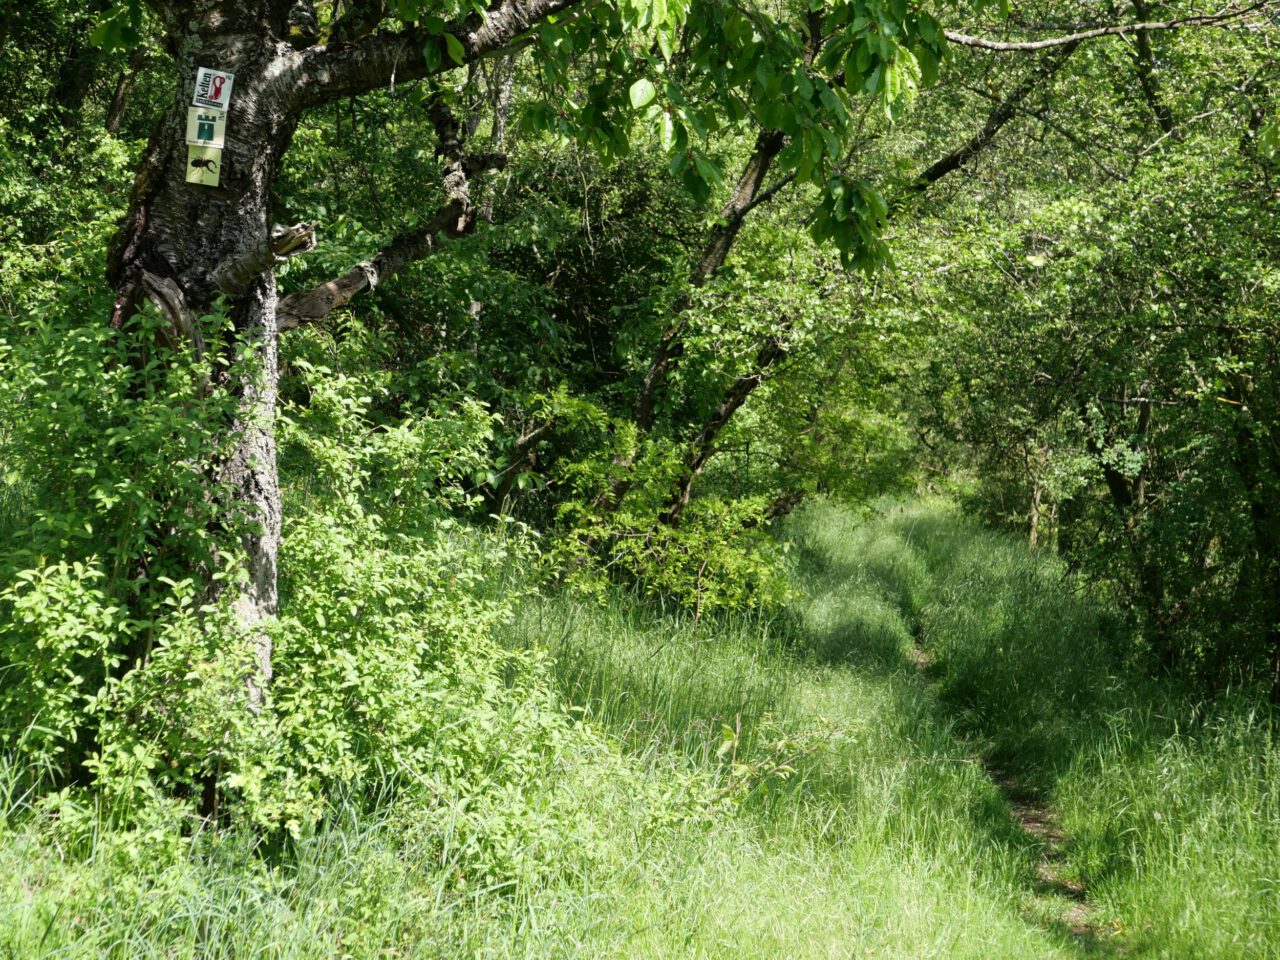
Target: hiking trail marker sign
{"type": "Point", "coordinates": [213, 88]}
{"type": "Point", "coordinates": [204, 165]}
{"type": "Point", "coordinates": [206, 127]}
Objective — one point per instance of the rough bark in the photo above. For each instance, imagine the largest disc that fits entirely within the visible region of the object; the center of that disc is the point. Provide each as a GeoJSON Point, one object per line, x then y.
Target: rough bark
{"type": "Point", "coordinates": [503, 85]}
{"type": "Point", "coordinates": [359, 19]}
{"type": "Point", "coordinates": [783, 504]}
{"type": "Point", "coordinates": [184, 235]}
{"type": "Point", "coordinates": [455, 218]}
{"type": "Point", "coordinates": [79, 67]}
{"type": "Point", "coordinates": [338, 70]}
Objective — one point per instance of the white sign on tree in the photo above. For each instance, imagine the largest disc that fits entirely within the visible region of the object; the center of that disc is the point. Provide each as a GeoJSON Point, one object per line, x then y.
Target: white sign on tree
{"type": "Point", "coordinates": [213, 88]}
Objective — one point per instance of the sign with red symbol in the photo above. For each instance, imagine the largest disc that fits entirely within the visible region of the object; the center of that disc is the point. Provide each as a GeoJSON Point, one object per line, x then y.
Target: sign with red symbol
{"type": "Point", "coordinates": [213, 88]}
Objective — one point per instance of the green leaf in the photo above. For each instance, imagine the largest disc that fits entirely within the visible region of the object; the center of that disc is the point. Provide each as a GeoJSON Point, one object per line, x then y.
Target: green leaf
{"type": "Point", "coordinates": [431, 53]}
{"type": "Point", "coordinates": [1269, 140]}
{"type": "Point", "coordinates": [666, 43]}
{"type": "Point", "coordinates": [706, 169]}
{"type": "Point", "coordinates": [642, 93]}
{"type": "Point", "coordinates": [668, 132]}
{"type": "Point", "coordinates": [106, 34]}
{"type": "Point", "coordinates": [456, 51]}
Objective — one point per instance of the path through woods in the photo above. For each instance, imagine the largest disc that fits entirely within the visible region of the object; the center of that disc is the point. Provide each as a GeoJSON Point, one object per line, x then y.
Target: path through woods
{"type": "Point", "coordinates": [1062, 902]}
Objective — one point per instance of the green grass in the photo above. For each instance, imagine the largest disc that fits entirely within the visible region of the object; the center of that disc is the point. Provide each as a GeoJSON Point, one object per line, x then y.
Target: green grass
{"type": "Point", "coordinates": [1171, 806]}
{"type": "Point", "coordinates": [884, 837]}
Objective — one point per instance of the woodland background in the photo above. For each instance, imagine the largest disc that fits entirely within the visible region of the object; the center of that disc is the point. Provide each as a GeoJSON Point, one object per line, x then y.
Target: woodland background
{"type": "Point", "coordinates": [644, 478]}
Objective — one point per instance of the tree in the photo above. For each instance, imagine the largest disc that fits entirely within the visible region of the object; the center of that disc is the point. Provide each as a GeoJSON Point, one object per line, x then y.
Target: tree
{"type": "Point", "coordinates": [1110, 362]}
{"type": "Point", "coordinates": [790, 76]}
{"type": "Point", "coordinates": [188, 248]}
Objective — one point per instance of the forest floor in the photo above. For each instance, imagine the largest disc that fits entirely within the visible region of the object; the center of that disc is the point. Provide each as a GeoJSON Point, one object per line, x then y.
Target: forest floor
{"type": "Point", "coordinates": [1070, 897]}
{"type": "Point", "coordinates": [932, 752]}
{"type": "Point", "coordinates": [1062, 902]}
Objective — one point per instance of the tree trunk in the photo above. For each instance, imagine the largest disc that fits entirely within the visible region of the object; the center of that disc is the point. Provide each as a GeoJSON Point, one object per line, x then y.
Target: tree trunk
{"type": "Point", "coordinates": [748, 194]}
{"type": "Point", "coordinates": [1145, 64]}
{"type": "Point", "coordinates": [1127, 498]}
{"type": "Point", "coordinates": [1037, 491]}
{"type": "Point", "coordinates": [251, 473]}
{"type": "Point", "coordinates": [746, 197]}
{"type": "Point", "coordinates": [79, 66]}
{"type": "Point", "coordinates": [187, 246]}
{"type": "Point", "coordinates": [120, 95]}
{"type": "Point", "coordinates": [198, 243]}
{"type": "Point", "coordinates": [1259, 583]}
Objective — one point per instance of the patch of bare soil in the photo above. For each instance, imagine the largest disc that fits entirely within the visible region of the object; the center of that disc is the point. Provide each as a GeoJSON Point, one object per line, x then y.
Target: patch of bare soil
{"type": "Point", "coordinates": [1075, 914]}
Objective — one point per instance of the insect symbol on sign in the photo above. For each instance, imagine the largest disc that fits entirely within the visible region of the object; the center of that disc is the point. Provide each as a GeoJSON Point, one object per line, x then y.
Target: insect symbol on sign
{"type": "Point", "coordinates": [202, 163]}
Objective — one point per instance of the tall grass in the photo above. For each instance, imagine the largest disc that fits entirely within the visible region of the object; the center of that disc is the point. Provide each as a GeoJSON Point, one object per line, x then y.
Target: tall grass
{"type": "Point", "coordinates": [845, 809]}
{"type": "Point", "coordinates": [1172, 805]}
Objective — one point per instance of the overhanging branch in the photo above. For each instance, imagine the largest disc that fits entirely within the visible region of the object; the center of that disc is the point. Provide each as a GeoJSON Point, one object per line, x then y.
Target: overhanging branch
{"type": "Point", "coordinates": [335, 70]}
{"type": "Point", "coordinates": [1000, 115]}
{"type": "Point", "coordinates": [1114, 30]}
{"type": "Point", "coordinates": [455, 218]}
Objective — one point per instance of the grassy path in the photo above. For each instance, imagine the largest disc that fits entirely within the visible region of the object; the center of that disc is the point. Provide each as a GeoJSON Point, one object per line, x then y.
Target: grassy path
{"type": "Point", "coordinates": [891, 818]}
{"type": "Point", "coordinates": [1069, 899]}
{"type": "Point", "coordinates": [1022, 796]}
{"type": "Point", "coordinates": [1154, 819]}
{"type": "Point", "coordinates": [1060, 901]}
{"type": "Point", "coordinates": [934, 753]}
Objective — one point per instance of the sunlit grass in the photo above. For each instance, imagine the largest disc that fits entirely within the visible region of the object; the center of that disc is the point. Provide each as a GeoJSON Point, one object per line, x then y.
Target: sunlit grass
{"type": "Point", "coordinates": [858, 821]}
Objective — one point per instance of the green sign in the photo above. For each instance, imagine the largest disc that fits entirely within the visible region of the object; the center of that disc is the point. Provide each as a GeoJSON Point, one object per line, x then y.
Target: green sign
{"type": "Point", "coordinates": [206, 127]}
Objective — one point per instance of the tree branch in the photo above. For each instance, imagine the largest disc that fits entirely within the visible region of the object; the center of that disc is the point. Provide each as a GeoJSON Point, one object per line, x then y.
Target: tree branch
{"type": "Point", "coordinates": [336, 70]}
{"type": "Point", "coordinates": [235, 276]}
{"type": "Point", "coordinates": [1114, 30]}
{"type": "Point", "coordinates": [1145, 65]}
{"type": "Point", "coordinates": [523, 457]}
{"type": "Point", "coordinates": [455, 218]}
{"type": "Point", "coordinates": [320, 301]}
{"type": "Point", "coordinates": [1000, 115]}
{"type": "Point", "coordinates": [358, 20]}
{"type": "Point", "coordinates": [732, 215]}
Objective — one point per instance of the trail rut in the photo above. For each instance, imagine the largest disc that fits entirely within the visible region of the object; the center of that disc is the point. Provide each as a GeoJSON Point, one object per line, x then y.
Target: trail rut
{"type": "Point", "coordinates": [1065, 902]}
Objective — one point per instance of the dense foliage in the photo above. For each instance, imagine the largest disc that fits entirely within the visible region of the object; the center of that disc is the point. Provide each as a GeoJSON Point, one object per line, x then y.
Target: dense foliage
{"type": "Point", "coordinates": [440, 468]}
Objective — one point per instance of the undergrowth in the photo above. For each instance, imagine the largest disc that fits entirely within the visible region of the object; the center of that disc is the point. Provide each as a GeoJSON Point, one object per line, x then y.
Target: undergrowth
{"type": "Point", "coordinates": [745, 786]}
